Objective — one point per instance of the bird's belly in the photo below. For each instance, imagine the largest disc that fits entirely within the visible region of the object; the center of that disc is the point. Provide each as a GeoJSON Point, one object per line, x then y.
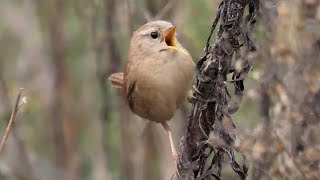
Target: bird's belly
{"type": "Point", "coordinates": [160, 89]}
{"type": "Point", "coordinates": [153, 105]}
{"type": "Point", "coordinates": [157, 99]}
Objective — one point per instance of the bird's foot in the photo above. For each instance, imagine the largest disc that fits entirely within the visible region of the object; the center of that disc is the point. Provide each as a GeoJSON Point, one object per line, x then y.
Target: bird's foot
{"type": "Point", "coordinates": [195, 89]}
{"type": "Point", "coordinates": [190, 95]}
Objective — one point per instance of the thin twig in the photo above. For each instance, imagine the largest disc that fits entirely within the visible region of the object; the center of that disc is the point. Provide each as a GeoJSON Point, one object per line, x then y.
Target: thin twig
{"type": "Point", "coordinates": [12, 120]}
{"type": "Point", "coordinates": [165, 9]}
{"type": "Point", "coordinates": [161, 13]}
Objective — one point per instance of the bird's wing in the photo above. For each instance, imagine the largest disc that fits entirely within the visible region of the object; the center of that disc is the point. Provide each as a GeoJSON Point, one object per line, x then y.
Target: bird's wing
{"type": "Point", "coordinates": [117, 79]}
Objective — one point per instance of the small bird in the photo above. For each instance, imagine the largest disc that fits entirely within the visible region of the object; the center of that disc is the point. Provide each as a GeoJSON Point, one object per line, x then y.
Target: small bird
{"type": "Point", "coordinates": [157, 76]}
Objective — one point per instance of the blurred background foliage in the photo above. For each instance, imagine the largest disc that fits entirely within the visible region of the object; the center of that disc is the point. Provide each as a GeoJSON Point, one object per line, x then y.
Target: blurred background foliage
{"type": "Point", "coordinates": [75, 126]}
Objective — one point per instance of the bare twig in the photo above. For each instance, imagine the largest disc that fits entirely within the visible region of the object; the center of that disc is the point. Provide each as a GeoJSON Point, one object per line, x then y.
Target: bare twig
{"type": "Point", "coordinates": [165, 9]}
{"type": "Point", "coordinates": [12, 120]}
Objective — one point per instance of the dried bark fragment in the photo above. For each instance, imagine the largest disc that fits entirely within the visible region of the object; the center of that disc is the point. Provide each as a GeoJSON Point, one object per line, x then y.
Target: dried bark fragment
{"type": "Point", "coordinates": [210, 128]}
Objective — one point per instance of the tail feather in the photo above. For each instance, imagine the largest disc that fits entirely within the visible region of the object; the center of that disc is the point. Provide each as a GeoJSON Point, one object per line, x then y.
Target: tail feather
{"type": "Point", "coordinates": [117, 79]}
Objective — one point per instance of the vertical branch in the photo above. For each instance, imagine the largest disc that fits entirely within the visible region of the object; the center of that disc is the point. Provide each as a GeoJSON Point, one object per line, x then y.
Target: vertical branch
{"type": "Point", "coordinates": [100, 74]}
{"type": "Point", "coordinates": [130, 12]}
{"type": "Point", "coordinates": [113, 52]}
{"type": "Point", "coordinates": [114, 64]}
{"type": "Point", "coordinates": [58, 55]}
{"type": "Point", "coordinates": [61, 117]}
{"type": "Point", "coordinates": [210, 126]}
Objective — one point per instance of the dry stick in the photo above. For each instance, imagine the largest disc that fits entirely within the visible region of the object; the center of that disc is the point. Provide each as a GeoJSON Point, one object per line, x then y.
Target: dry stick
{"type": "Point", "coordinates": [11, 121]}
{"type": "Point", "coordinates": [147, 15]}
{"type": "Point", "coordinates": [170, 4]}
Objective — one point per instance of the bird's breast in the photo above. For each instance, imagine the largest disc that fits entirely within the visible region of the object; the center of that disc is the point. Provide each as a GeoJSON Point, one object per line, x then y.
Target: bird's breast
{"type": "Point", "coordinates": [159, 88]}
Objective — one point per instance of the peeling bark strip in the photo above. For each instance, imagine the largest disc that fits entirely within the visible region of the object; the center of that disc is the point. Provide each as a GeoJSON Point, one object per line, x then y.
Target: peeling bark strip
{"type": "Point", "coordinates": [210, 129]}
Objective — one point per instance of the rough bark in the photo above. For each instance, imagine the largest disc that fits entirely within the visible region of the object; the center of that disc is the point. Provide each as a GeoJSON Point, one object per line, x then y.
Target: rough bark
{"type": "Point", "coordinates": [210, 128]}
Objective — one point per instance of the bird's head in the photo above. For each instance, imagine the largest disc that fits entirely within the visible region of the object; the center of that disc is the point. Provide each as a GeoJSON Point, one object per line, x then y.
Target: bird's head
{"type": "Point", "coordinates": [155, 37]}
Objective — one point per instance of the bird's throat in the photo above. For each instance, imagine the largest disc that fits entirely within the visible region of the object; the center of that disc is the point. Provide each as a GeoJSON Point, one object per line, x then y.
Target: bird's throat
{"type": "Point", "coordinates": [170, 39]}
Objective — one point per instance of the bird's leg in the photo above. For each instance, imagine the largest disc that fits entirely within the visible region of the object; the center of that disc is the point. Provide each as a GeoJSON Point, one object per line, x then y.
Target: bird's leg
{"type": "Point", "coordinates": [173, 150]}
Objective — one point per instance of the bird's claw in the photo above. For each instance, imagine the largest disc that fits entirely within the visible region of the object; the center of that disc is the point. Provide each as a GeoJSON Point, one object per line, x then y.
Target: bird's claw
{"type": "Point", "coordinates": [190, 96]}
{"type": "Point", "coordinates": [196, 89]}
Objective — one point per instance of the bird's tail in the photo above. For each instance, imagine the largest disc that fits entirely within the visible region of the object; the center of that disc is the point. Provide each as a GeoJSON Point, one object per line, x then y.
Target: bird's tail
{"type": "Point", "coordinates": [117, 79]}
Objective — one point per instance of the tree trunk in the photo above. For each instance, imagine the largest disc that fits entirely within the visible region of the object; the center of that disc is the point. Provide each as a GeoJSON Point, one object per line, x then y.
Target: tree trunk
{"type": "Point", "coordinates": [62, 118]}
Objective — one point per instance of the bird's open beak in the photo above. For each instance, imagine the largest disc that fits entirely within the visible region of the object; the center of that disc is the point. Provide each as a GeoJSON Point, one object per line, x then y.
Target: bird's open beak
{"type": "Point", "coordinates": [170, 38]}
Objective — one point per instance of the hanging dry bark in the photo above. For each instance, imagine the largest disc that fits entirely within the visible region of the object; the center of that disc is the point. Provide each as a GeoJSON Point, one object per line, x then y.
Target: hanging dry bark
{"type": "Point", "coordinates": [210, 131]}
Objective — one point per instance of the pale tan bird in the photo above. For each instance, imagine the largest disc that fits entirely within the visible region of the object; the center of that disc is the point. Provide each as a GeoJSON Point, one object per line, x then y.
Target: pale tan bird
{"type": "Point", "coordinates": [158, 74]}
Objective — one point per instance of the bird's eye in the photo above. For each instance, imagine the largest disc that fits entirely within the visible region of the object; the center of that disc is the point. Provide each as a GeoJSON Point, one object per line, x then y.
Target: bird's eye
{"type": "Point", "coordinates": [154, 35]}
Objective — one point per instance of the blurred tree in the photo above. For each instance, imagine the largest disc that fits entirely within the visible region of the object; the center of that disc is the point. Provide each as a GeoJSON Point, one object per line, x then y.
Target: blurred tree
{"type": "Point", "coordinates": [286, 143]}
{"type": "Point", "coordinates": [45, 48]}
{"type": "Point", "coordinates": [62, 115]}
